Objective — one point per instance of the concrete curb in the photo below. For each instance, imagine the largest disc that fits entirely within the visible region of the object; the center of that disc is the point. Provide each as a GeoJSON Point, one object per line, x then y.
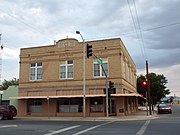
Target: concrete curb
{"type": "Point", "coordinates": [141, 114]}
{"type": "Point", "coordinates": [111, 118]}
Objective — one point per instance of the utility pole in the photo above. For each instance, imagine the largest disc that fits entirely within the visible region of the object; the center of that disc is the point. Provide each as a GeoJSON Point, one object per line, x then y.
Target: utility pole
{"type": "Point", "coordinates": [1, 48]}
{"type": "Point", "coordinates": [148, 88]}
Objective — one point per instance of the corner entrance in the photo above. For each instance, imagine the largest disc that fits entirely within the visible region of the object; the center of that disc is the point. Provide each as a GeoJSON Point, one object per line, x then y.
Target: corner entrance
{"type": "Point", "coordinates": [112, 107]}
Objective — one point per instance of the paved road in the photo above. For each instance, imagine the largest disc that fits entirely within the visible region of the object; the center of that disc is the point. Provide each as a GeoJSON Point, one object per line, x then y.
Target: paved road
{"type": "Point", "coordinates": [166, 124]}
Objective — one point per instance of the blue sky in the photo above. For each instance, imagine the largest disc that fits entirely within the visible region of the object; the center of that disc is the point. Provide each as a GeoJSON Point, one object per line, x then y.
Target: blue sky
{"type": "Point", "coordinates": [150, 30]}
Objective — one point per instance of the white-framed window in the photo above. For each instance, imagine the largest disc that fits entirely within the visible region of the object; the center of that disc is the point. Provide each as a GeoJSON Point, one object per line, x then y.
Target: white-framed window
{"type": "Point", "coordinates": [98, 71]}
{"type": "Point", "coordinates": [36, 71]}
{"type": "Point", "coordinates": [66, 70]}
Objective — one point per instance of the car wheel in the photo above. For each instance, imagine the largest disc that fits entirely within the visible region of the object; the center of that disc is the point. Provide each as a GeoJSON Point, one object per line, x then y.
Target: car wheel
{"type": "Point", "coordinates": [1, 116]}
{"type": "Point", "coordinates": [10, 117]}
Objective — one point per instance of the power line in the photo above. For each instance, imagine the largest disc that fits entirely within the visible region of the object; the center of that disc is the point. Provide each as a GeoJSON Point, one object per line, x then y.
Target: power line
{"type": "Point", "coordinates": [121, 34]}
{"type": "Point", "coordinates": [139, 25]}
{"type": "Point", "coordinates": [26, 24]}
{"type": "Point", "coordinates": [162, 26]}
{"type": "Point", "coordinates": [152, 28]}
{"type": "Point", "coordinates": [136, 30]}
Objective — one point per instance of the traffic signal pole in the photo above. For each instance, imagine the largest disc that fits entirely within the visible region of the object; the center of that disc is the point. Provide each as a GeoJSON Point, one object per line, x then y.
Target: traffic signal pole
{"type": "Point", "coordinates": [89, 53]}
{"type": "Point", "coordinates": [148, 88]}
{"type": "Point", "coordinates": [107, 104]}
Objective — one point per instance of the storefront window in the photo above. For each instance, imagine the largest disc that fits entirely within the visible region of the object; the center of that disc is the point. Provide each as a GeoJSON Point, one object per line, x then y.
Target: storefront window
{"type": "Point", "coordinates": [69, 105]}
{"type": "Point", "coordinates": [35, 106]}
{"type": "Point", "coordinates": [96, 105]}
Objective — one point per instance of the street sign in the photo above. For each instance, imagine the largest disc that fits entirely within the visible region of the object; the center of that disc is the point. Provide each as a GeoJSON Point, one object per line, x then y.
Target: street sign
{"type": "Point", "coordinates": [99, 60]}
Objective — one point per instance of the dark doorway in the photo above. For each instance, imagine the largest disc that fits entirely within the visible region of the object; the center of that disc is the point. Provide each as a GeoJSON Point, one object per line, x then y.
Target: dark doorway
{"type": "Point", "coordinates": [112, 107]}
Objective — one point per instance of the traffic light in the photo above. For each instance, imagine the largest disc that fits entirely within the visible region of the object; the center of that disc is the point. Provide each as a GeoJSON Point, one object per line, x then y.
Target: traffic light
{"type": "Point", "coordinates": [112, 89]}
{"type": "Point", "coordinates": [111, 85]}
{"type": "Point", "coordinates": [89, 50]}
{"type": "Point", "coordinates": [144, 83]}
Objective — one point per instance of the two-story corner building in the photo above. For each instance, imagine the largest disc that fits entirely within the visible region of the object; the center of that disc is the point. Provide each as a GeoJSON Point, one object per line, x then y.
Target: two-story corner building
{"type": "Point", "coordinates": [51, 79]}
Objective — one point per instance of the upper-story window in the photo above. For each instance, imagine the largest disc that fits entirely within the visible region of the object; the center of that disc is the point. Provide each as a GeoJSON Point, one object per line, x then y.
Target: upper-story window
{"type": "Point", "coordinates": [124, 69]}
{"type": "Point", "coordinates": [98, 71]}
{"type": "Point", "coordinates": [129, 73]}
{"type": "Point", "coordinates": [36, 71]}
{"type": "Point", "coordinates": [66, 69]}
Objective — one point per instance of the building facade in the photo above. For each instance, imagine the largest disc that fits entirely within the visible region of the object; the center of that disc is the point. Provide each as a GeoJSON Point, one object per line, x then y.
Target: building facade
{"type": "Point", "coordinates": [8, 96]}
{"type": "Point", "coordinates": [51, 79]}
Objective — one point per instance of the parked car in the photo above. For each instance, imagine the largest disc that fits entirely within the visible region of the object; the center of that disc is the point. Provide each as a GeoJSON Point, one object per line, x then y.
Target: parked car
{"type": "Point", "coordinates": [7, 111]}
{"type": "Point", "coordinates": [164, 108]}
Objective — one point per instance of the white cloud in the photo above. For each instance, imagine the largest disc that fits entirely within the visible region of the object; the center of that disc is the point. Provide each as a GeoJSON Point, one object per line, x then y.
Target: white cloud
{"type": "Point", "coordinates": [36, 23]}
{"type": "Point", "coordinates": [10, 53]}
{"type": "Point", "coordinates": [172, 75]}
{"type": "Point", "coordinates": [2, 15]}
{"type": "Point", "coordinates": [36, 11]}
{"type": "Point", "coordinates": [66, 35]}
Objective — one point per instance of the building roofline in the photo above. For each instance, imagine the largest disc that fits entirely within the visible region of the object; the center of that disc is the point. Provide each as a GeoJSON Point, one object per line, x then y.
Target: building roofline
{"type": "Point", "coordinates": [97, 40]}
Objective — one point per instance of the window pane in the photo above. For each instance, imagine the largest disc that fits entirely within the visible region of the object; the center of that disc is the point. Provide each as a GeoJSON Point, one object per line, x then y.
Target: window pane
{"type": "Point", "coordinates": [36, 71]}
{"type": "Point", "coordinates": [96, 105]}
{"type": "Point", "coordinates": [39, 73]}
{"type": "Point", "coordinates": [96, 108]}
{"type": "Point", "coordinates": [69, 105]}
{"type": "Point", "coordinates": [70, 62]}
{"type": "Point", "coordinates": [73, 108]}
{"type": "Point", "coordinates": [105, 66]}
{"type": "Point", "coordinates": [39, 64]}
{"type": "Point", "coordinates": [62, 71]}
{"type": "Point", "coordinates": [34, 106]}
{"type": "Point", "coordinates": [70, 71]}
{"type": "Point", "coordinates": [33, 65]}
{"type": "Point", "coordinates": [96, 70]}
{"type": "Point", "coordinates": [63, 68]}
{"type": "Point", "coordinates": [32, 74]}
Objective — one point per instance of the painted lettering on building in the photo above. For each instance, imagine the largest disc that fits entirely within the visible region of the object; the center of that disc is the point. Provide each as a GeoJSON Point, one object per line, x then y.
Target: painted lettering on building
{"type": "Point", "coordinates": [66, 44]}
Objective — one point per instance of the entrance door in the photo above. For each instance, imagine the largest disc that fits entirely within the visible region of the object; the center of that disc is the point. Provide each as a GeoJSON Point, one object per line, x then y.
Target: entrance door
{"type": "Point", "coordinates": [112, 107]}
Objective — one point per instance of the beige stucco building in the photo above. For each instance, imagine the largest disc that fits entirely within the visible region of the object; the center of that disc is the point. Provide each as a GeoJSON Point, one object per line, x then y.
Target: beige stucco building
{"type": "Point", "coordinates": [51, 79]}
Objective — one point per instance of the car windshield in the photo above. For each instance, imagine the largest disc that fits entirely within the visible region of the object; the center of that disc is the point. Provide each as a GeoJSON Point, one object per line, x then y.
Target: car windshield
{"type": "Point", "coordinates": [163, 105]}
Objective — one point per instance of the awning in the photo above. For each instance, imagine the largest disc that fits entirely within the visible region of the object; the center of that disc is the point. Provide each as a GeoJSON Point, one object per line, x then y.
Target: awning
{"type": "Point", "coordinates": [60, 96]}
{"type": "Point", "coordinates": [97, 95]}
{"type": "Point", "coordinates": [65, 96]}
{"type": "Point", "coordinates": [127, 95]}
{"type": "Point", "coordinates": [74, 96]}
{"type": "Point", "coordinates": [28, 97]}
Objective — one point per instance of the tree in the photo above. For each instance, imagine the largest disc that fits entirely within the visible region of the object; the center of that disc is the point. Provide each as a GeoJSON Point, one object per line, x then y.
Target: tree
{"type": "Point", "coordinates": [171, 99]}
{"type": "Point", "coordinates": [6, 84]}
{"type": "Point", "coordinates": [158, 87]}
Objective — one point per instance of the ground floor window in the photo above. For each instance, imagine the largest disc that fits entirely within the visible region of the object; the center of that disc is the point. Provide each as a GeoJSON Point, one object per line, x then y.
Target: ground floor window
{"type": "Point", "coordinates": [35, 105]}
{"type": "Point", "coordinates": [69, 105]}
{"type": "Point", "coordinates": [96, 104]}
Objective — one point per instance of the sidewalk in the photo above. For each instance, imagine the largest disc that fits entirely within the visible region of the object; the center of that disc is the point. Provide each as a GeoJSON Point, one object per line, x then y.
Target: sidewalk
{"type": "Point", "coordinates": [141, 114]}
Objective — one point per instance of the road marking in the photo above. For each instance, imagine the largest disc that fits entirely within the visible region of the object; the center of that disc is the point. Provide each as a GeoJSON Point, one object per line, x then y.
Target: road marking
{"type": "Point", "coordinates": [143, 128]}
{"type": "Point", "coordinates": [6, 126]}
{"type": "Point", "coordinates": [61, 130]}
{"type": "Point", "coordinates": [91, 128]}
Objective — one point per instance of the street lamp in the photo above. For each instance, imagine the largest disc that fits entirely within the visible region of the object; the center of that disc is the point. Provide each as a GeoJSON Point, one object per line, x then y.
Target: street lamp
{"type": "Point", "coordinates": [84, 79]}
{"type": "Point", "coordinates": [1, 93]}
